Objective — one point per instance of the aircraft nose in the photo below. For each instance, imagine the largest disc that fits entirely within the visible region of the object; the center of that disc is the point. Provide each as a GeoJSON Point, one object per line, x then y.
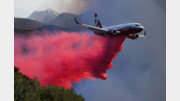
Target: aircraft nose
{"type": "Point", "coordinates": [141, 28]}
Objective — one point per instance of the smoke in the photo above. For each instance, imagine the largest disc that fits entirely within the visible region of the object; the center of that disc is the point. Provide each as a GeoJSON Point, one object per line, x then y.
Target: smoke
{"type": "Point", "coordinates": [70, 6]}
{"type": "Point", "coordinates": [63, 58]}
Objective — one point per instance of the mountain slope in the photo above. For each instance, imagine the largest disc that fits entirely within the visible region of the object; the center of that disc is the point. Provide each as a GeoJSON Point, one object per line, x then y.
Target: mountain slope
{"type": "Point", "coordinates": [53, 28]}
{"type": "Point", "coordinates": [26, 24]}
{"type": "Point", "coordinates": [66, 20]}
{"type": "Point", "coordinates": [63, 22]}
{"type": "Point", "coordinates": [44, 16]}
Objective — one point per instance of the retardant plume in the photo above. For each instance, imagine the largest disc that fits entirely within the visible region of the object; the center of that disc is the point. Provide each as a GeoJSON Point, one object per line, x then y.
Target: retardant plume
{"type": "Point", "coordinates": [63, 58]}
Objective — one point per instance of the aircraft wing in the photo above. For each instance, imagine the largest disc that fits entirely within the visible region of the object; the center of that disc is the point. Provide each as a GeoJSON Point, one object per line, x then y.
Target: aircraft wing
{"type": "Point", "coordinates": [92, 28]}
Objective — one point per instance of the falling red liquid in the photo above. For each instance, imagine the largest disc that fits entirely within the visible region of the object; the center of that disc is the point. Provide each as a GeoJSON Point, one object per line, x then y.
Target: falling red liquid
{"type": "Point", "coordinates": [63, 58]}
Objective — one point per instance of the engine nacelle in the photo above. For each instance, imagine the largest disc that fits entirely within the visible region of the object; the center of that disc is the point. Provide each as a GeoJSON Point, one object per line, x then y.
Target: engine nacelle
{"type": "Point", "coordinates": [115, 31]}
{"type": "Point", "coordinates": [136, 36]}
{"type": "Point", "coordinates": [133, 36]}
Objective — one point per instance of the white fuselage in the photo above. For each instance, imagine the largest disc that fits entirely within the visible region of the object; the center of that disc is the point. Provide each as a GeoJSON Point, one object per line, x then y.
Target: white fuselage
{"type": "Point", "coordinates": [129, 28]}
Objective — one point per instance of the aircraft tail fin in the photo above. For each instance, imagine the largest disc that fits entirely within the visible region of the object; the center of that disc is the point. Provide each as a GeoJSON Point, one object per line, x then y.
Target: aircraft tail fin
{"type": "Point", "coordinates": [97, 21]}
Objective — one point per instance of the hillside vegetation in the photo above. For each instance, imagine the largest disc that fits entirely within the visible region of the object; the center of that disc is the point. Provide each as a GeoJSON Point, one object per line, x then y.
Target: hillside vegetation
{"type": "Point", "coordinates": [26, 89]}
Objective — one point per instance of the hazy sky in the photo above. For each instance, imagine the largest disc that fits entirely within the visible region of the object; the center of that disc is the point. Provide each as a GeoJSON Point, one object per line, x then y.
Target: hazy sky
{"type": "Point", "coordinates": [23, 8]}
{"type": "Point", "coordinates": [139, 72]}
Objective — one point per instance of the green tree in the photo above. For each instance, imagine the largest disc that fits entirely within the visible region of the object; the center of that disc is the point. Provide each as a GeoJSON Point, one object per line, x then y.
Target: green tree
{"type": "Point", "coordinates": [26, 89]}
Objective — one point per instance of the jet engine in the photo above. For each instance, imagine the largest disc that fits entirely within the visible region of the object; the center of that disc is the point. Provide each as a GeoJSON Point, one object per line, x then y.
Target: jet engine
{"type": "Point", "coordinates": [115, 31]}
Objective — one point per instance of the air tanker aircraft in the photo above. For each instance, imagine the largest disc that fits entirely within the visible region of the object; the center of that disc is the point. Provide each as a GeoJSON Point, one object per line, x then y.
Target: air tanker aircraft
{"type": "Point", "coordinates": [131, 30]}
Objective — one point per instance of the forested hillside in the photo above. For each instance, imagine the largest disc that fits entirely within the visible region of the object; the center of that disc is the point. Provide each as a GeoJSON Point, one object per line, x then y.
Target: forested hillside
{"type": "Point", "coordinates": [26, 89]}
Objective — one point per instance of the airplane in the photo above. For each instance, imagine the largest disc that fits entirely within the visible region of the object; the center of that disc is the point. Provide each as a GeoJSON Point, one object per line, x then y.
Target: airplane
{"type": "Point", "coordinates": [131, 30]}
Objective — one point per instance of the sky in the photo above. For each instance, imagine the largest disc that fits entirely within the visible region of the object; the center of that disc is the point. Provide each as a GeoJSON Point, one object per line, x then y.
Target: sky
{"type": "Point", "coordinates": [139, 72]}
{"type": "Point", "coordinates": [23, 8]}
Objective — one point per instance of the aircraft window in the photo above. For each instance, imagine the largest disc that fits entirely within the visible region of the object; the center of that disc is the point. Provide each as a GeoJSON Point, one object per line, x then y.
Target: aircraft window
{"type": "Point", "coordinates": [136, 25]}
